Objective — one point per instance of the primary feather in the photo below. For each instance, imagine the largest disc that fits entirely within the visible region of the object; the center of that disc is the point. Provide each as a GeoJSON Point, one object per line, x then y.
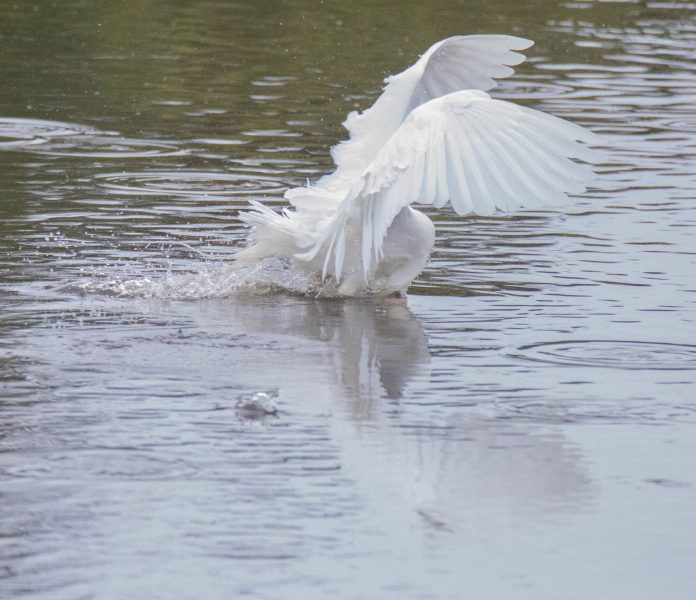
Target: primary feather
{"type": "Point", "coordinates": [434, 136]}
{"type": "Point", "coordinates": [456, 63]}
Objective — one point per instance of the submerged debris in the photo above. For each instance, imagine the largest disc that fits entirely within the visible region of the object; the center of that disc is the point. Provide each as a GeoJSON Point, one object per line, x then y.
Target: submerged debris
{"type": "Point", "coordinates": [257, 404]}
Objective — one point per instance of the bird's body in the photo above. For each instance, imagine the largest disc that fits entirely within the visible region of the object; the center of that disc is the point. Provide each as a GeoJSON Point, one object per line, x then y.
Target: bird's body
{"type": "Point", "coordinates": [433, 136]}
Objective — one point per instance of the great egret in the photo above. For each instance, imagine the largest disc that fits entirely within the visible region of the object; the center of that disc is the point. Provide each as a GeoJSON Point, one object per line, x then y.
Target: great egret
{"type": "Point", "coordinates": [433, 136]}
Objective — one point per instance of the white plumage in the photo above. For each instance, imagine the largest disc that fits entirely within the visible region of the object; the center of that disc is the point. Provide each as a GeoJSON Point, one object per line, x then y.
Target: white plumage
{"type": "Point", "coordinates": [433, 136]}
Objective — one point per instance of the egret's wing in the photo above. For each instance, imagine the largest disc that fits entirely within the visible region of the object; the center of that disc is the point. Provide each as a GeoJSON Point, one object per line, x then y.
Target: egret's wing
{"type": "Point", "coordinates": [479, 154]}
{"type": "Point", "coordinates": [469, 62]}
{"type": "Point", "coordinates": [457, 63]}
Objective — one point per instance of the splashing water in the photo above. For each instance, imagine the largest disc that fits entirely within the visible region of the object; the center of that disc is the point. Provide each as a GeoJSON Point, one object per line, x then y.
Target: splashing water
{"type": "Point", "coordinates": [220, 281]}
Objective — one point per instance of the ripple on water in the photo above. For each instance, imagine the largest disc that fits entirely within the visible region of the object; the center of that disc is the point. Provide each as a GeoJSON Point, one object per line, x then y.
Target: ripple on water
{"type": "Point", "coordinates": [617, 354]}
{"type": "Point", "coordinates": [17, 132]}
{"type": "Point", "coordinates": [57, 138]}
{"type": "Point", "coordinates": [104, 463]}
{"type": "Point", "coordinates": [106, 146]}
{"type": "Point", "coordinates": [189, 183]}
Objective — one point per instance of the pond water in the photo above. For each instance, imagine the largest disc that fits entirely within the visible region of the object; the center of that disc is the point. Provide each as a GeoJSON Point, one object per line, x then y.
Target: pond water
{"type": "Point", "coordinates": [522, 426]}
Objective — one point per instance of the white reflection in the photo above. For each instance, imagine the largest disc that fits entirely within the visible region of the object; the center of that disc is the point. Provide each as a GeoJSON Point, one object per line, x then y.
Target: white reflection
{"type": "Point", "coordinates": [375, 349]}
{"type": "Point", "coordinates": [444, 460]}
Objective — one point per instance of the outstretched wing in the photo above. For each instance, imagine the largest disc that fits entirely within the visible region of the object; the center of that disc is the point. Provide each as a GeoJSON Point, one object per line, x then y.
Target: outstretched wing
{"type": "Point", "coordinates": [469, 62]}
{"type": "Point", "coordinates": [479, 154]}
{"type": "Point", "coordinates": [457, 63]}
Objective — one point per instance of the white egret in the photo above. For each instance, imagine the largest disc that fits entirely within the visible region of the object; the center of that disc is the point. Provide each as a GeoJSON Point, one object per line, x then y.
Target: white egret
{"type": "Point", "coordinates": [433, 136]}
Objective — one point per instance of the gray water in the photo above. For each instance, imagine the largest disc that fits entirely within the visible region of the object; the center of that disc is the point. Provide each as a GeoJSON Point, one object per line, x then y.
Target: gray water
{"type": "Point", "coordinates": [522, 426]}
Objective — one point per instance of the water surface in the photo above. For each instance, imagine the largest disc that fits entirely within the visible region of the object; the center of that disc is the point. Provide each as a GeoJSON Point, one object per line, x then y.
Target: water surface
{"type": "Point", "coordinates": [521, 427]}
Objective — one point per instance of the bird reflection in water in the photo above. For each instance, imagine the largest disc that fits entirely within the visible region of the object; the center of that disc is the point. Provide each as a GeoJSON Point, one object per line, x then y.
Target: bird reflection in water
{"type": "Point", "coordinates": [374, 348]}
{"type": "Point", "coordinates": [460, 462]}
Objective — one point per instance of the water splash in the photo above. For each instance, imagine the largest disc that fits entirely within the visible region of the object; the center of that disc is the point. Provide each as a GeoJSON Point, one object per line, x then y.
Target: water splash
{"type": "Point", "coordinates": [219, 281]}
{"type": "Point", "coordinates": [266, 277]}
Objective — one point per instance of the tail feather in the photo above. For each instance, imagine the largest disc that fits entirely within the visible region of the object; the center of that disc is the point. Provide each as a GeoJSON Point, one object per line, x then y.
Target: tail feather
{"type": "Point", "coordinates": [274, 234]}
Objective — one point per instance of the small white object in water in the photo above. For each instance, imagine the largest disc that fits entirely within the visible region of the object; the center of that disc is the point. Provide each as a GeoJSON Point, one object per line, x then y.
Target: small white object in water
{"type": "Point", "coordinates": [260, 402]}
{"type": "Point", "coordinates": [433, 136]}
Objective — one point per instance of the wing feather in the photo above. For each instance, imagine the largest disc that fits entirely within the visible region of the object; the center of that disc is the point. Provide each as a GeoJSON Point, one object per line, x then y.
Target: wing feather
{"type": "Point", "coordinates": [474, 174]}
{"type": "Point", "coordinates": [520, 164]}
{"type": "Point", "coordinates": [453, 64]}
{"type": "Point", "coordinates": [524, 193]}
{"type": "Point", "coordinates": [460, 188]}
{"type": "Point", "coordinates": [499, 185]}
{"type": "Point", "coordinates": [538, 167]}
{"type": "Point", "coordinates": [437, 186]}
{"type": "Point", "coordinates": [480, 154]}
{"type": "Point", "coordinates": [562, 174]}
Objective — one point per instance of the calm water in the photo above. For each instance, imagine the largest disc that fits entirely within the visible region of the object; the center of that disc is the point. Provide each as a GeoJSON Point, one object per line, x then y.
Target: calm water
{"type": "Point", "coordinates": [522, 427]}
